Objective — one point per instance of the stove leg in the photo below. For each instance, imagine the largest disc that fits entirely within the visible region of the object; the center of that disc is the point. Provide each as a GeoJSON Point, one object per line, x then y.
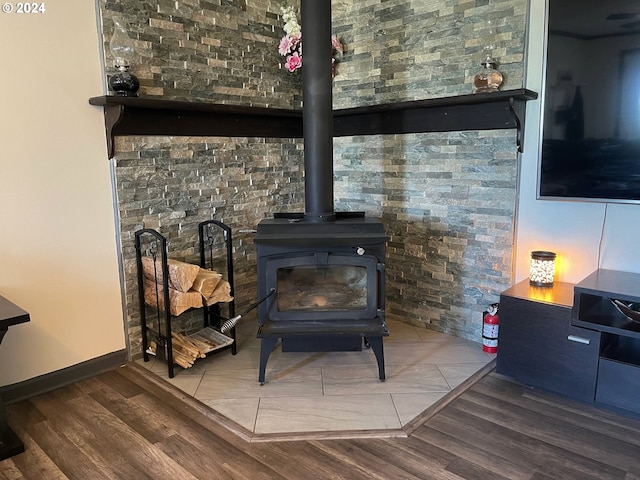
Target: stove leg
{"type": "Point", "coordinates": [376, 344]}
{"type": "Point", "coordinates": [266, 347]}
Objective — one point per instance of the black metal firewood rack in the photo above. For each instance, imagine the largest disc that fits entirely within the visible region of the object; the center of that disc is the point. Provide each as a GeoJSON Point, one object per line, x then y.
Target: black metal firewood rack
{"type": "Point", "coordinates": [208, 249]}
{"type": "Point", "coordinates": [151, 242]}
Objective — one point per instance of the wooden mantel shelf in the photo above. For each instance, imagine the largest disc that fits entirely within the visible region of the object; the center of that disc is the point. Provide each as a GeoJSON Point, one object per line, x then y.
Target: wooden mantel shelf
{"type": "Point", "coordinates": [478, 111]}
{"type": "Point", "coordinates": [155, 116]}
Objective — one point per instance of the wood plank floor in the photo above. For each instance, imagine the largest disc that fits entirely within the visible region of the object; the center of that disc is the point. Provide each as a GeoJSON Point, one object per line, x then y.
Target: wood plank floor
{"type": "Point", "coordinates": [125, 425]}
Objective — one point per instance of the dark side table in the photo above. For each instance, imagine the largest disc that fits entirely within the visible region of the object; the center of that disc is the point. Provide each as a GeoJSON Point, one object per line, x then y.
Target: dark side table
{"type": "Point", "coordinates": [538, 345]}
{"type": "Point", "coordinates": [10, 314]}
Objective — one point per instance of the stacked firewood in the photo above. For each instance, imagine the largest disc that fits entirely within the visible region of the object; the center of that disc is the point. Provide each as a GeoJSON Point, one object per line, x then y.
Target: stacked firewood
{"type": "Point", "coordinates": [186, 350]}
{"type": "Point", "coordinates": [189, 285]}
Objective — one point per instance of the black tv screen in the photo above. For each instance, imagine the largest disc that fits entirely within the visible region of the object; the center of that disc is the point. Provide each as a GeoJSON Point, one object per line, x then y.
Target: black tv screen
{"type": "Point", "coordinates": [591, 119]}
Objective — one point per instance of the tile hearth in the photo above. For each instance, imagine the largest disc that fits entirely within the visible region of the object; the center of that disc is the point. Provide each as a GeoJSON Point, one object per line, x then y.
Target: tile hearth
{"type": "Point", "coordinates": [329, 392]}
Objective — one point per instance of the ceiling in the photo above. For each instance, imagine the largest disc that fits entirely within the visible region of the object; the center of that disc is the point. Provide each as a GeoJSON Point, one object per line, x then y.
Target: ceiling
{"type": "Point", "coordinates": [588, 18]}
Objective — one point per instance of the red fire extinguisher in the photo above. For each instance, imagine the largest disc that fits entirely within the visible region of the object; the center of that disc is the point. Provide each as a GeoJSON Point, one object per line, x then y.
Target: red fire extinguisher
{"type": "Point", "coordinates": [490, 329]}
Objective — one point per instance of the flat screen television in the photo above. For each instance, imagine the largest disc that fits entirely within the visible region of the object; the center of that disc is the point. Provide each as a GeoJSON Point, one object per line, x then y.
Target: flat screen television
{"type": "Point", "coordinates": [591, 116]}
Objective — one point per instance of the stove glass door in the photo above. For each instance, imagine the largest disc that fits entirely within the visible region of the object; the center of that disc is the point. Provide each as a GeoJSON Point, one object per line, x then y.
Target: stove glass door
{"type": "Point", "coordinates": [327, 288]}
{"type": "Point", "coordinates": [322, 286]}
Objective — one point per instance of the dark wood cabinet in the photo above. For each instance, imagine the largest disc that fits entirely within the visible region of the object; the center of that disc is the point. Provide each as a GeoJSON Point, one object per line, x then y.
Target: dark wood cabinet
{"type": "Point", "coordinates": [619, 364]}
{"type": "Point", "coordinates": [539, 346]}
{"type": "Point", "coordinates": [572, 340]}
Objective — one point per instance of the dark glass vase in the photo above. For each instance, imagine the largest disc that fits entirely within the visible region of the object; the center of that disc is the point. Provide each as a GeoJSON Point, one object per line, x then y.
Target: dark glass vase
{"type": "Point", "coordinates": [124, 83]}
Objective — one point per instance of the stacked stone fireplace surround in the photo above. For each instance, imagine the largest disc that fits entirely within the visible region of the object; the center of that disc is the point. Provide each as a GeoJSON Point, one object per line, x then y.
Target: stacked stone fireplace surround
{"type": "Point", "coordinates": [447, 199]}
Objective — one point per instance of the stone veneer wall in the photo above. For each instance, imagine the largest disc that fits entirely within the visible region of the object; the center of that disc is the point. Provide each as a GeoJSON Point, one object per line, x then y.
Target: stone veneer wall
{"type": "Point", "coordinates": [171, 184]}
{"type": "Point", "coordinates": [414, 49]}
{"type": "Point", "coordinates": [448, 204]}
{"type": "Point", "coordinates": [447, 199]}
{"type": "Point", "coordinates": [223, 51]}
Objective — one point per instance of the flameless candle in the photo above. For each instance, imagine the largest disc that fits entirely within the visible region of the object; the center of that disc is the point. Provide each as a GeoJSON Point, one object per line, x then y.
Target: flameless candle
{"type": "Point", "coordinates": [542, 270]}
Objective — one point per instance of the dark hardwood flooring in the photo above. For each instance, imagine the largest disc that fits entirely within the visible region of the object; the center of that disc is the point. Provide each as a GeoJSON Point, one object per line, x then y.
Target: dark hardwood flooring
{"type": "Point", "coordinates": [126, 425]}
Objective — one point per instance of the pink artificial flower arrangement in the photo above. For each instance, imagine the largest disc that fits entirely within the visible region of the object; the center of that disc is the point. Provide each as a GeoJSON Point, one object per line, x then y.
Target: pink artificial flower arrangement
{"type": "Point", "coordinates": [291, 44]}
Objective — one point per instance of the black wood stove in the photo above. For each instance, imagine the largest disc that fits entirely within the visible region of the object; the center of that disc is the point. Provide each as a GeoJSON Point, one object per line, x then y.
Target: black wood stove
{"type": "Point", "coordinates": [322, 271]}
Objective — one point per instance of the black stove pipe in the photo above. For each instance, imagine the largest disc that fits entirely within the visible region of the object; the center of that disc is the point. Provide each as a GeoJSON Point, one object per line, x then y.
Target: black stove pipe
{"type": "Point", "coordinates": [317, 112]}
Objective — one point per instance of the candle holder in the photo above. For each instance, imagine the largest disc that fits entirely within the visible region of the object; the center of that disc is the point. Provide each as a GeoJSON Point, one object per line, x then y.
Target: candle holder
{"type": "Point", "coordinates": [542, 269]}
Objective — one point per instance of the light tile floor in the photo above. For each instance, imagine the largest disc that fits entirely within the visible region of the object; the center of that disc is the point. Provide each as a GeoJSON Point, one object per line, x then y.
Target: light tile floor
{"type": "Point", "coordinates": [330, 392]}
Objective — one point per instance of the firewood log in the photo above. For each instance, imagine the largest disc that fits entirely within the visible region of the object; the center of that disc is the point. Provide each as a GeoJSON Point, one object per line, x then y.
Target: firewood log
{"type": "Point", "coordinates": [187, 345]}
{"type": "Point", "coordinates": [222, 293]}
{"type": "Point", "coordinates": [202, 346]}
{"type": "Point", "coordinates": [181, 274]}
{"type": "Point", "coordinates": [206, 282]}
{"type": "Point", "coordinates": [178, 351]}
{"type": "Point", "coordinates": [180, 346]}
{"type": "Point", "coordinates": [179, 302]}
{"type": "Point", "coordinates": [181, 360]}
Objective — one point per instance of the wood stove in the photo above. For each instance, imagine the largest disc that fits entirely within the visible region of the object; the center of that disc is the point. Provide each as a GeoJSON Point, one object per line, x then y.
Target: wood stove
{"type": "Point", "coordinates": [329, 285]}
{"type": "Point", "coordinates": [326, 268]}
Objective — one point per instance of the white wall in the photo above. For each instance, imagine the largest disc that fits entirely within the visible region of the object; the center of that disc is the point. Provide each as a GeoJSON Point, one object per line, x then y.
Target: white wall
{"type": "Point", "coordinates": [57, 247]}
{"type": "Point", "coordinates": [586, 236]}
